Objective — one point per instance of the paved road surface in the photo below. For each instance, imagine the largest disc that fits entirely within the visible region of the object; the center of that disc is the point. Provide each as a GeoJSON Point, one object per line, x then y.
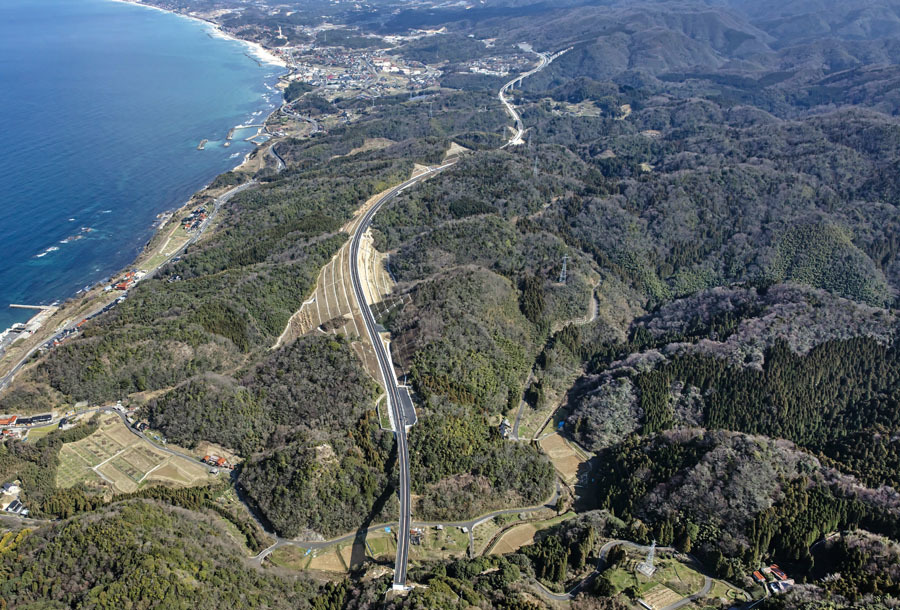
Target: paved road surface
{"type": "Point", "coordinates": [220, 200]}
{"type": "Point", "coordinates": [388, 376]}
{"type": "Point", "coordinates": [279, 162]}
{"type": "Point", "coordinates": [601, 561]}
{"type": "Point", "coordinates": [470, 525]}
{"type": "Point", "coordinates": [520, 127]}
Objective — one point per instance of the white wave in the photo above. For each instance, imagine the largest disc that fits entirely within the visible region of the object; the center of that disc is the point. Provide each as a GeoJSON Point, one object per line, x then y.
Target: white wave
{"type": "Point", "coordinates": [47, 251]}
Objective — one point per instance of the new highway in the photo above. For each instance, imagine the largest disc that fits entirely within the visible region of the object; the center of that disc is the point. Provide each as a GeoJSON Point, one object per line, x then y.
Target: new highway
{"type": "Point", "coordinates": [398, 401]}
{"type": "Point", "coordinates": [545, 60]}
{"type": "Point", "coordinates": [400, 417]}
{"type": "Point", "coordinates": [520, 127]}
{"type": "Point", "coordinates": [399, 404]}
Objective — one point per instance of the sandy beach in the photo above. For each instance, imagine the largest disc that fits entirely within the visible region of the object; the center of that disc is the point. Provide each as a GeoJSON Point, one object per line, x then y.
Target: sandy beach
{"type": "Point", "coordinates": [256, 49]}
{"type": "Point", "coordinates": [259, 53]}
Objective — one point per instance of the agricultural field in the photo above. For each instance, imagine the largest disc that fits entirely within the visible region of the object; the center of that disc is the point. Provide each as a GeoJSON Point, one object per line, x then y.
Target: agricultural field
{"type": "Point", "coordinates": [447, 543]}
{"type": "Point", "coordinates": [673, 581]}
{"type": "Point", "coordinates": [565, 458]}
{"type": "Point", "coordinates": [518, 536]}
{"type": "Point", "coordinates": [514, 538]}
{"type": "Point", "coordinates": [114, 457]}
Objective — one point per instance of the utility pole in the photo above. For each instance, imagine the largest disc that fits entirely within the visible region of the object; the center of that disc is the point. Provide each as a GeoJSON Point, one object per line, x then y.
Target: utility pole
{"type": "Point", "coordinates": [562, 274]}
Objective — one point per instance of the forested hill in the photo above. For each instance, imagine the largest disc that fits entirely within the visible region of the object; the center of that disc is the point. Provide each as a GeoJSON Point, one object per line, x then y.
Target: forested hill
{"type": "Point", "coordinates": [726, 176]}
{"type": "Point", "coordinates": [690, 268]}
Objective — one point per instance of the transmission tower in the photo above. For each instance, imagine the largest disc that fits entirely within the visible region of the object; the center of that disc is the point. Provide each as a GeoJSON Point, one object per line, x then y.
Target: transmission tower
{"type": "Point", "coordinates": [646, 567]}
{"type": "Point", "coordinates": [562, 274]}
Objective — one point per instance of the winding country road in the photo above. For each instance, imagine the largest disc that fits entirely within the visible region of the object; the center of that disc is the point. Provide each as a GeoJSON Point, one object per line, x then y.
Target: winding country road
{"type": "Point", "coordinates": [470, 525]}
{"type": "Point", "coordinates": [397, 406]}
{"type": "Point", "coordinates": [601, 561]}
{"type": "Point", "coordinates": [219, 202]}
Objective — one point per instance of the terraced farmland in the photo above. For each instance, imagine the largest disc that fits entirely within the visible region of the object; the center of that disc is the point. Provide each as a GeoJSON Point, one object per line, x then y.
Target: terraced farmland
{"type": "Point", "coordinates": [115, 458]}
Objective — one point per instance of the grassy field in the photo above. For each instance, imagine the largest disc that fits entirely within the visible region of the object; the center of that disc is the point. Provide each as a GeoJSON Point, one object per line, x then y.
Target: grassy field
{"type": "Point", "coordinates": [291, 557]}
{"type": "Point", "coordinates": [34, 434]}
{"type": "Point", "coordinates": [724, 591]}
{"type": "Point", "coordinates": [335, 558]}
{"type": "Point", "coordinates": [440, 544]}
{"type": "Point", "coordinates": [381, 545]}
{"type": "Point", "coordinates": [672, 581]}
{"type": "Point", "coordinates": [331, 559]}
{"type": "Point", "coordinates": [483, 535]}
{"type": "Point", "coordinates": [174, 239]}
{"type": "Point", "coordinates": [123, 461]}
{"type": "Point", "coordinates": [384, 419]}
{"type": "Point", "coordinates": [520, 535]}
{"type": "Point", "coordinates": [565, 458]}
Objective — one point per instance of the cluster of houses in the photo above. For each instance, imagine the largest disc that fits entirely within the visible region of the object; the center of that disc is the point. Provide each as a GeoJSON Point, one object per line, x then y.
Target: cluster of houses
{"type": "Point", "coordinates": [774, 578]}
{"type": "Point", "coordinates": [354, 69]}
{"type": "Point", "coordinates": [126, 281]}
{"type": "Point", "coordinates": [216, 462]}
{"type": "Point", "coordinates": [9, 499]}
{"type": "Point", "coordinates": [392, 65]}
{"type": "Point", "coordinates": [192, 221]}
{"type": "Point", "coordinates": [13, 422]}
{"type": "Point", "coordinates": [65, 334]}
{"type": "Point", "coordinates": [498, 66]}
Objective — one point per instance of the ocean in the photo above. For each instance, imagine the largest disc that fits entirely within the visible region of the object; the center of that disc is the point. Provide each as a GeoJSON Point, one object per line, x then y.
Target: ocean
{"type": "Point", "coordinates": [102, 106]}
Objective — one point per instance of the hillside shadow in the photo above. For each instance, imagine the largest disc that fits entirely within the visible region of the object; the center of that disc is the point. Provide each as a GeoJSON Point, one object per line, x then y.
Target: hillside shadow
{"type": "Point", "coordinates": [586, 497]}
{"type": "Point", "coordinates": [358, 552]}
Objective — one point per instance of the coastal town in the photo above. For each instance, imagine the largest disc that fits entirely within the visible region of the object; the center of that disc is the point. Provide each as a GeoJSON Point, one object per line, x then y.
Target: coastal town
{"type": "Point", "coordinates": [501, 304]}
{"type": "Point", "coordinates": [326, 63]}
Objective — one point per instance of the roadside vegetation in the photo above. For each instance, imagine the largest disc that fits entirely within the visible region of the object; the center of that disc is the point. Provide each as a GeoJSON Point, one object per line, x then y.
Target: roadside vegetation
{"type": "Point", "coordinates": [722, 338]}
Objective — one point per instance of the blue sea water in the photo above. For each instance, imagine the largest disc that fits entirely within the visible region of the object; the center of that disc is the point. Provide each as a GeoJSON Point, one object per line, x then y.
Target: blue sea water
{"type": "Point", "coordinates": [102, 106]}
